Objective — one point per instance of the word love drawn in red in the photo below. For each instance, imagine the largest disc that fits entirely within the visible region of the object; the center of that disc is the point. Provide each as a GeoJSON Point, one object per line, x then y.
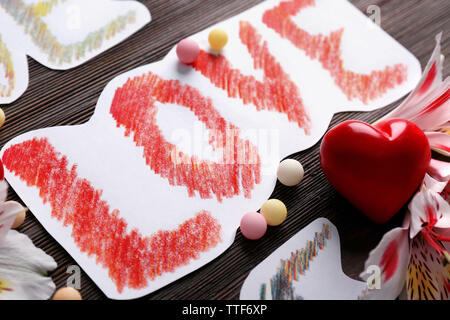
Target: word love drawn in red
{"type": "Point", "coordinates": [133, 259]}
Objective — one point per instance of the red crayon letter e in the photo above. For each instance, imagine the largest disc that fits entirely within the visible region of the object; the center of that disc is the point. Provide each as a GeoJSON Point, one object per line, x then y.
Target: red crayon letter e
{"type": "Point", "coordinates": [327, 49]}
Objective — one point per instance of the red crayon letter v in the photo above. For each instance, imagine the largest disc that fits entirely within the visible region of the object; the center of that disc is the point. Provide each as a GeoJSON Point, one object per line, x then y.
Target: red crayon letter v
{"type": "Point", "coordinates": [277, 92]}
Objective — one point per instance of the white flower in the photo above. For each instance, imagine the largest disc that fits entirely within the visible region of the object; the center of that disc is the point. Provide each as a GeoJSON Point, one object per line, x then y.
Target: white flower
{"type": "Point", "coordinates": [23, 267]}
{"type": "Point", "coordinates": [414, 257]}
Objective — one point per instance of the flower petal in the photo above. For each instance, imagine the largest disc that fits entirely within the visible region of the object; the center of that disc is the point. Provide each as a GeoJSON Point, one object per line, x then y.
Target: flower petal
{"type": "Point", "coordinates": [429, 209]}
{"type": "Point", "coordinates": [3, 190]}
{"type": "Point", "coordinates": [391, 255]}
{"type": "Point", "coordinates": [431, 183]}
{"type": "Point", "coordinates": [432, 74]}
{"type": "Point", "coordinates": [445, 127]}
{"type": "Point", "coordinates": [439, 142]}
{"type": "Point", "coordinates": [439, 170]}
{"type": "Point", "coordinates": [8, 212]}
{"type": "Point", "coordinates": [426, 99]}
{"type": "Point", "coordinates": [434, 108]}
{"type": "Point", "coordinates": [23, 269]}
{"type": "Point", "coordinates": [428, 273]}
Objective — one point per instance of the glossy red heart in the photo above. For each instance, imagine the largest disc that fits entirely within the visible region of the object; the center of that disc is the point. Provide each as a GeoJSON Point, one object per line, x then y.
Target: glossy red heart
{"type": "Point", "coordinates": [377, 168]}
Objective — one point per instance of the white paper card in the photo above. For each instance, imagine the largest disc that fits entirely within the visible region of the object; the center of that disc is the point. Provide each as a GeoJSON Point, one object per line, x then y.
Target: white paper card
{"type": "Point", "coordinates": [306, 267]}
{"type": "Point", "coordinates": [60, 34]}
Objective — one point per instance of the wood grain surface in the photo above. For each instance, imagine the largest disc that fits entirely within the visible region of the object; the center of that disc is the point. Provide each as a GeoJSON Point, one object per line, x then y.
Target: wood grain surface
{"type": "Point", "coordinates": [68, 97]}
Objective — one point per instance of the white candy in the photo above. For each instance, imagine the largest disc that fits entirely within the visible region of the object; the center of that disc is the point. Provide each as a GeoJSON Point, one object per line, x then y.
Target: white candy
{"type": "Point", "coordinates": [290, 172]}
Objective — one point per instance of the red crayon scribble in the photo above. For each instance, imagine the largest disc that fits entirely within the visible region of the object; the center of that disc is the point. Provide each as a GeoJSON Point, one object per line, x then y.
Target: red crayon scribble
{"type": "Point", "coordinates": [276, 92]}
{"type": "Point", "coordinates": [131, 258]}
{"type": "Point", "coordinates": [134, 108]}
{"type": "Point", "coordinates": [327, 49]}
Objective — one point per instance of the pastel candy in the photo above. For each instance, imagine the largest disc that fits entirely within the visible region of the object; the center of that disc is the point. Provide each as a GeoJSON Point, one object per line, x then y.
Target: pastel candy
{"type": "Point", "coordinates": [20, 218]}
{"type": "Point", "coordinates": [187, 51]}
{"type": "Point", "coordinates": [290, 172]}
{"type": "Point", "coordinates": [67, 293]}
{"type": "Point", "coordinates": [217, 39]}
{"type": "Point", "coordinates": [253, 225]}
{"type": "Point", "coordinates": [274, 211]}
{"type": "Point", "coordinates": [2, 117]}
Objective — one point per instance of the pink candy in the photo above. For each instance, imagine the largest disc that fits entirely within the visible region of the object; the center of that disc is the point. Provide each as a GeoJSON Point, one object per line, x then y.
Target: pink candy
{"type": "Point", "coordinates": [187, 51]}
{"type": "Point", "coordinates": [253, 225]}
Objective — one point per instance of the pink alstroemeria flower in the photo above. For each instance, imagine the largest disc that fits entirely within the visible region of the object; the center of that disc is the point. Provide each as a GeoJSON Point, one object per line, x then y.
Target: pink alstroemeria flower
{"type": "Point", "coordinates": [414, 258]}
{"type": "Point", "coordinates": [23, 267]}
{"type": "Point", "coordinates": [428, 106]}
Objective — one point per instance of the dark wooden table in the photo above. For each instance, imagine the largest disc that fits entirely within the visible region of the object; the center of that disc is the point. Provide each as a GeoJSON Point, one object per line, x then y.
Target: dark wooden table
{"type": "Point", "coordinates": [69, 98]}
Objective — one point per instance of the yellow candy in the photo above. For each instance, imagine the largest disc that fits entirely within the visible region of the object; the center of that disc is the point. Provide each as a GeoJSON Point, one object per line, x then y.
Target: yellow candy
{"type": "Point", "coordinates": [274, 211]}
{"type": "Point", "coordinates": [217, 39]}
{"type": "Point", "coordinates": [2, 117]}
{"type": "Point", "coordinates": [20, 218]}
